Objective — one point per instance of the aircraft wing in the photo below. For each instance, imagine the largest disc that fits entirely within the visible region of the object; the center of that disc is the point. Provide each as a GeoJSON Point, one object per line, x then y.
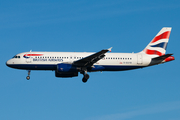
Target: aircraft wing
{"type": "Point", "coordinates": [90, 60]}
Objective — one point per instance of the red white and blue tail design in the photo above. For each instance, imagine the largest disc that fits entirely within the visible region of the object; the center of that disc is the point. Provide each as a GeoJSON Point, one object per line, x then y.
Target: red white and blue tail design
{"type": "Point", "coordinates": [157, 47]}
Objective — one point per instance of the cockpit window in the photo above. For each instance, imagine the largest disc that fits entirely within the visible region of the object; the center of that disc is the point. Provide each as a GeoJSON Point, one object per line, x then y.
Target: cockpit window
{"type": "Point", "coordinates": [16, 56]}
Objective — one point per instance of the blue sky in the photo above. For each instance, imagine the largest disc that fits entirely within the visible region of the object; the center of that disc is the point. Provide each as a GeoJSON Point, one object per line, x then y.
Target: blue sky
{"type": "Point", "coordinates": [89, 26]}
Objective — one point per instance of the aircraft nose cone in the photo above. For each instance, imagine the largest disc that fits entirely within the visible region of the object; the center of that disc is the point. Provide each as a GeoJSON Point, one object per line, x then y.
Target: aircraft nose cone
{"type": "Point", "coordinates": [8, 63]}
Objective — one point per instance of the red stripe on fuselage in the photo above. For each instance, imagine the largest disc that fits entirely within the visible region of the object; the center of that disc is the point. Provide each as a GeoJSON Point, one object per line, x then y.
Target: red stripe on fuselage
{"type": "Point", "coordinates": [164, 35]}
{"type": "Point", "coordinates": [33, 54]}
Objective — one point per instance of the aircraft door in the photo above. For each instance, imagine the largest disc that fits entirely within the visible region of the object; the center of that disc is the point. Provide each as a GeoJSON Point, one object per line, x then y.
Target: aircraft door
{"type": "Point", "coordinates": [139, 59]}
{"type": "Point", "coordinates": [29, 60]}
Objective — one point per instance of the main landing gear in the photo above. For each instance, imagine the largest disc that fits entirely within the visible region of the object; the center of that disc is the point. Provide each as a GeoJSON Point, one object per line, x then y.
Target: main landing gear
{"type": "Point", "coordinates": [86, 76]}
{"type": "Point", "coordinates": [28, 77]}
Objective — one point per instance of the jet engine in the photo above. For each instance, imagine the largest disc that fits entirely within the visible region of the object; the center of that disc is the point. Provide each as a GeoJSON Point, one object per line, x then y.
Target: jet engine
{"type": "Point", "coordinates": [66, 70]}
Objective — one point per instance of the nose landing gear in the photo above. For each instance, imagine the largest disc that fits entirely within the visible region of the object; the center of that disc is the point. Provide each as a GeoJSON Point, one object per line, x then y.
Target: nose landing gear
{"type": "Point", "coordinates": [28, 77]}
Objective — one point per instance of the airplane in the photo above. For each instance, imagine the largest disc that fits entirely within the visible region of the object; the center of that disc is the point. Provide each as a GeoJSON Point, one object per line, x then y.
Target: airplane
{"type": "Point", "coordinates": [69, 64]}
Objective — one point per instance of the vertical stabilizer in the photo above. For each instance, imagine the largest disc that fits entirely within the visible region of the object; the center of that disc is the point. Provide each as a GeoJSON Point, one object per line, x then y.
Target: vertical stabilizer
{"type": "Point", "coordinates": [157, 47]}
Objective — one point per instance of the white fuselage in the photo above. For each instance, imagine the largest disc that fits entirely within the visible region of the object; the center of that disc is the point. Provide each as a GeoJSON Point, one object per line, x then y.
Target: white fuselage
{"type": "Point", "coordinates": [49, 60]}
{"type": "Point", "coordinates": [69, 64]}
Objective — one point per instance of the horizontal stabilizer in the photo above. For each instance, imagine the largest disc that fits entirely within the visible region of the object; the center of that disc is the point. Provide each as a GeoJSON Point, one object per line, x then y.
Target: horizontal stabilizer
{"type": "Point", "coordinates": [158, 60]}
{"type": "Point", "coordinates": [162, 57]}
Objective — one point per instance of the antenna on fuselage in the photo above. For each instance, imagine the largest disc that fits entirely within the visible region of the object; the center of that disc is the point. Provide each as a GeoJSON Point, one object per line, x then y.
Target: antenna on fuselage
{"type": "Point", "coordinates": [30, 50]}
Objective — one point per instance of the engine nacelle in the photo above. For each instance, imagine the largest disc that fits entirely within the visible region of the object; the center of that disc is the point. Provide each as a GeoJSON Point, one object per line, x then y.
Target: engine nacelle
{"type": "Point", "coordinates": [66, 70]}
{"type": "Point", "coordinates": [63, 67]}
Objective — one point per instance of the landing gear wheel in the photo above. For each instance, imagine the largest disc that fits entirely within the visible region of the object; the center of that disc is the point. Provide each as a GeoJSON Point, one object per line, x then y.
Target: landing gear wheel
{"type": "Point", "coordinates": [85, 78]}
{"type": "Point", "coordinates": [28, 77]}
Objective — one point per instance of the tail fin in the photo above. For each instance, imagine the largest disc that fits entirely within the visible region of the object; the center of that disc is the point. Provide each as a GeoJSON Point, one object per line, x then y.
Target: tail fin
{"type": "Point", "coordinates": [157, 47]}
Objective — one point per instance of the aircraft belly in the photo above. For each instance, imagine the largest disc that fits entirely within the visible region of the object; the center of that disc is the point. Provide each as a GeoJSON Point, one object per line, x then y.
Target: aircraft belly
{"type": "Point", "coordinates": [114, 67]}
{"type": "Point", "coordinates": [34, 66]}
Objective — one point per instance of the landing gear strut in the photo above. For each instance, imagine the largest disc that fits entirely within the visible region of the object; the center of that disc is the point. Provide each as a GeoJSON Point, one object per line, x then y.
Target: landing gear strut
{"type": "Point", "coordinates": [28, 77]}
{"type": "Point", "coordinates": [86, 76]}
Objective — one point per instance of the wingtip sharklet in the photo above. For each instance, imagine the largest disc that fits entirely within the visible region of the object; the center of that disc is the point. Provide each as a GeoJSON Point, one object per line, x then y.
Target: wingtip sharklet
{"type": "Point", "coordinates": [110, 49]}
